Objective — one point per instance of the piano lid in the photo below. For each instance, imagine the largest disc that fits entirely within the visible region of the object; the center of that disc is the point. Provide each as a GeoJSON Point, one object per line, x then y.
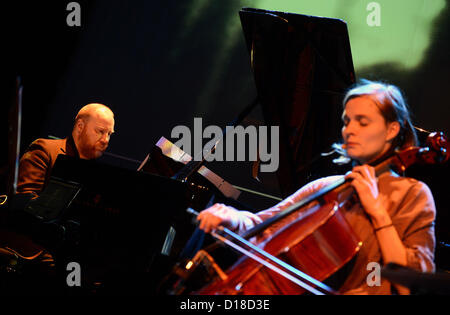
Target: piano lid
{"type": "Point", "coordinates": [302, 66]}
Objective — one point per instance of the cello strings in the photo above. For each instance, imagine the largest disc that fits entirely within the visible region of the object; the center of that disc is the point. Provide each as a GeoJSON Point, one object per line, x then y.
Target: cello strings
{"type": "Point", "coordinates": [273, 259]}
{"type": "Point", "coordinates": [267, 264]}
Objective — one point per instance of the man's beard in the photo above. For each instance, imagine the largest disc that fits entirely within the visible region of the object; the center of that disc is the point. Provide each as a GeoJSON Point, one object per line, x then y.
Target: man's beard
{"type": "Point", "coordinates": [91, 152]}
{"type": "Point", "coordinates": [88, 150]}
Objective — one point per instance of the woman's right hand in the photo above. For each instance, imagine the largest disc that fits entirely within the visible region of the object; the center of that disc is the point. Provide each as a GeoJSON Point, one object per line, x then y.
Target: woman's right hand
{"type": "Point", "coordinates": [218, 215]}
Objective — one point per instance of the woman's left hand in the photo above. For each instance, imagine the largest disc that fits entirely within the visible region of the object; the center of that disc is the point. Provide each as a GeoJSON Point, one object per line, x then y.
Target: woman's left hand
{"type": "Point", "coordinates": [365, 183]}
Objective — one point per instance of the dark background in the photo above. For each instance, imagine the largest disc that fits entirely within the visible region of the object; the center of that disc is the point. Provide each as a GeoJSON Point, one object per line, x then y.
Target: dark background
{"type": "Point", "coordinates": [139, 58]}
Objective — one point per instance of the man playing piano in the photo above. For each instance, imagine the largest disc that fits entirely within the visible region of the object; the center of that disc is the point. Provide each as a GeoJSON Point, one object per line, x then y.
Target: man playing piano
{"type": "Point", "coordinates": [94, 125]}
{"type": "Point", "coordinates": [90, 136]}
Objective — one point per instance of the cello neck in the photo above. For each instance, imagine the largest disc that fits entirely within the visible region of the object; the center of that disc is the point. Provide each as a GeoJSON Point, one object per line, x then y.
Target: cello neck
{"type": "Point", "coordinates": [335, 189]}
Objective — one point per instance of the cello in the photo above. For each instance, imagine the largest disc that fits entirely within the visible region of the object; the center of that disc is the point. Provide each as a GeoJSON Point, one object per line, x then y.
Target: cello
{"type": "Point", "coordinates": [314, 244]}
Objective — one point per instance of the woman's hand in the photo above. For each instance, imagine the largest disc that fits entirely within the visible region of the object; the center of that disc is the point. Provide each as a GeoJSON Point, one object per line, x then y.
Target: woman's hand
{"type": "Point", "coordinates": [217, 215]}
{"type": "Point", "coordinates": [365, 183]}
{"type": "Point", "coordinates": [391, 246]}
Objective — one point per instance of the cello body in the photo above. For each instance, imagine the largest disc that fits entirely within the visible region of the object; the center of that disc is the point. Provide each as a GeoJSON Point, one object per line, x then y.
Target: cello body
{"type": "Point", "coordinates": [318, 242]}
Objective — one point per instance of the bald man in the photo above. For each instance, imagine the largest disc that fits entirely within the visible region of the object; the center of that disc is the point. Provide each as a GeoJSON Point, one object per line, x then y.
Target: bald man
{"type": "Point", "coordinates": [91, 132]}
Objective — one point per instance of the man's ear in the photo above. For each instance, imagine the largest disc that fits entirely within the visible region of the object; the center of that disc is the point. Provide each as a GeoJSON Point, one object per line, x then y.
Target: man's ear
{"type": "Point", "coordinates": [393, 130]}
{"type": "Point", "coordinates": [79, 125]}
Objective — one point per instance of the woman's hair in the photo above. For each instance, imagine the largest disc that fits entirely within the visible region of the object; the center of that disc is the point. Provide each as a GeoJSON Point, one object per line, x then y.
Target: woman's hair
{"type": "Point", "coordinates": [391, 103]}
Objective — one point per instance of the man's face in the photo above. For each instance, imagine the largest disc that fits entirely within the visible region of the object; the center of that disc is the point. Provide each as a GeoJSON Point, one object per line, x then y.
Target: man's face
{"type": "Point", "coordinates": [94, 136]}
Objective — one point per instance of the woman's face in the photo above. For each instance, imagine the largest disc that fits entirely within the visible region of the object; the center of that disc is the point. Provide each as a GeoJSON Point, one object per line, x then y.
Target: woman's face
{"type": "Point", "coordinates": [365, 132]}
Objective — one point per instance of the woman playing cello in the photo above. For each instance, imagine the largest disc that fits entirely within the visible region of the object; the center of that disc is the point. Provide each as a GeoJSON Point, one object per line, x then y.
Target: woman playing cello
{"type": "Point", "coordinates": [395, 215]}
